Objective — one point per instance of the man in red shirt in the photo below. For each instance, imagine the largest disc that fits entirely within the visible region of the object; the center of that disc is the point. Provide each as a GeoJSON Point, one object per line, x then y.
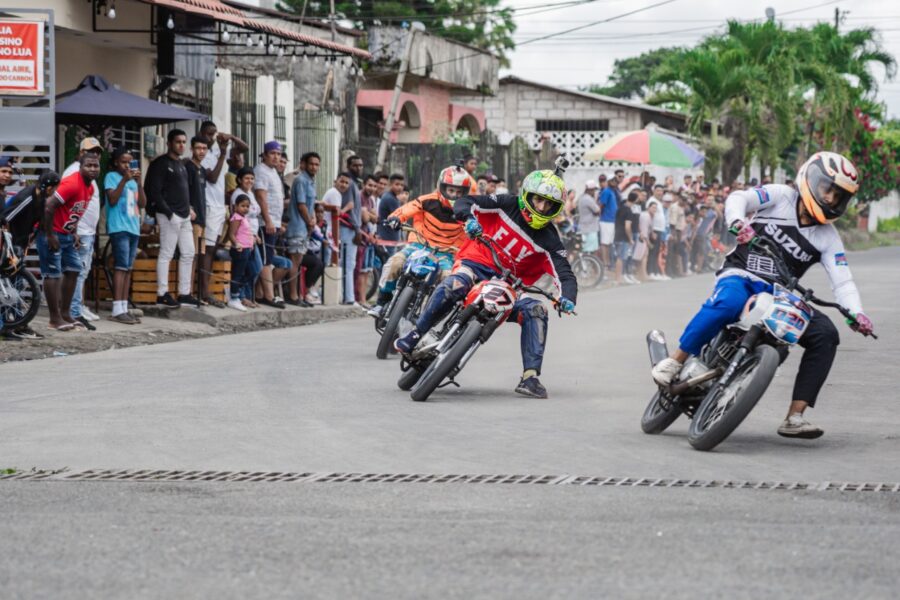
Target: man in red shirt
{"type": "Point", "coordinates": [57, 242]}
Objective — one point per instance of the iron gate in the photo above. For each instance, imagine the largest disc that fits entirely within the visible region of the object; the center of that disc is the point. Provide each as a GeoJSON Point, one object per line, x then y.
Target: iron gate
{"type": "Point", "coordinates": [320, 132]}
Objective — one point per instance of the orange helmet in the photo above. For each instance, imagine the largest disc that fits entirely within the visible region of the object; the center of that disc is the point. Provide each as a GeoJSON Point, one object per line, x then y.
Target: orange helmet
{"type": "Point", "coordinates": [454, 182]}
{"type": "Point", "coordinates": [827, 174]}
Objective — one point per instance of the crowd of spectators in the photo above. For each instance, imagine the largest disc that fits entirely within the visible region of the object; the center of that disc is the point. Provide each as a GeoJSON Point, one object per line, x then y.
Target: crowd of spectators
{"type": "Point", "coordinates": [645, 230]}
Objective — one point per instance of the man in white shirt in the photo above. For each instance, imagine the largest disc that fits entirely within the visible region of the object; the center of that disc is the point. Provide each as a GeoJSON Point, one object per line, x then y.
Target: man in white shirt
{"type": "Point", "coordinates": [87, 233]}
{"type": "Point", "coordinates": [269, 192]}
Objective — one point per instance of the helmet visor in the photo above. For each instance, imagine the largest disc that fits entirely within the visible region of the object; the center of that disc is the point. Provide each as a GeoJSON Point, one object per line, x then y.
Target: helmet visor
{"type": "Point", "coordinates": [452, 192]}
{"type": "Point", "coordinates": [831, 198]}
{"type": "Point", "coordinates": [542, 205]}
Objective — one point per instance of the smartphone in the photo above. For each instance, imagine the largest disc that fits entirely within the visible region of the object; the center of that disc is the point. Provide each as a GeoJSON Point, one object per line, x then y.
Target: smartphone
{"type": "Point", "coordinates": [134, 165]}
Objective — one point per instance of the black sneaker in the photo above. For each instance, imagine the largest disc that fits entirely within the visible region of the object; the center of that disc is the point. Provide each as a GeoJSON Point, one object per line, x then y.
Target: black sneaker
{"type": "Point", "coordinates": [167, 300]}
{"type": "Point", "coordinates": [26, 333]}
{"type": "Point", "coordinates": [187, 299]}
{"type": "Point", "coordinates": [531, 387]}
{"type": "Point", "coordinates": [406, 343]}
{"type": "Point", "coordinates": [86, 323]}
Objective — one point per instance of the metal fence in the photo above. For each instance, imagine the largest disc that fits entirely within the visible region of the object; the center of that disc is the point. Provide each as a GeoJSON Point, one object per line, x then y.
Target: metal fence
{"type": "Point", "coordinates": [320, 132]}
{"type": "Point", "coordinates": [248, 122]}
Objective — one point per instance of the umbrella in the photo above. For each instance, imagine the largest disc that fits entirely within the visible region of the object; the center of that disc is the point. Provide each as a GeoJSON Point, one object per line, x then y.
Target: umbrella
{"type": "Point", "coordinates": [646, 146]}
{"type": "Point", "coordinates": [95, 102]}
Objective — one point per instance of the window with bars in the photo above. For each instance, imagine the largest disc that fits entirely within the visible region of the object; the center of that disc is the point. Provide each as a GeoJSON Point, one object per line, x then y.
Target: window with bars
{"type": "Point", "coordinates": [248, 119]}
{"type": "Point", "coordinates": [126, 137]}
{"type": "Point", "coordinates": [571, 124]}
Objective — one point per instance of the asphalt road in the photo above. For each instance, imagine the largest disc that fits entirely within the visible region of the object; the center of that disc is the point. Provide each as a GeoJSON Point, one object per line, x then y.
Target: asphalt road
{"type": "Point", "coordinates": [315, 399]}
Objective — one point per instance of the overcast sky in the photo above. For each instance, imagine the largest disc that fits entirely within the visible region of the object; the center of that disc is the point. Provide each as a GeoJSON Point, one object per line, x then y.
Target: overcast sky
{"type": "Point", "coordinates": [587, 56]}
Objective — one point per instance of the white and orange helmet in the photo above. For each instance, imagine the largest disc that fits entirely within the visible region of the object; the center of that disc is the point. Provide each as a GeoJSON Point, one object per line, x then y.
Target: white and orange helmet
{"type": "Point", "coordinates": [826, 172]}
{"type": "Point", "coordinates": [454, 182]}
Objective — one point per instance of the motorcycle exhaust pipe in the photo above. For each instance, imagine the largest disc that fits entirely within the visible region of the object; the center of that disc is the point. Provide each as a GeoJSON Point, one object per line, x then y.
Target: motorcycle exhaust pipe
{"type": "Point", "coordinates": [682, 386]}
{"type": "Point", "coordinates": [656, 346]}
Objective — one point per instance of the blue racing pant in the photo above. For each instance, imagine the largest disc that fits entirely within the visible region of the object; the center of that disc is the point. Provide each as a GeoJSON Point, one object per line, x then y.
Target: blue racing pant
{"type": "Point", "coordinates": [529, 313]}
{"type": "Point", "coordinates": [724, 306]}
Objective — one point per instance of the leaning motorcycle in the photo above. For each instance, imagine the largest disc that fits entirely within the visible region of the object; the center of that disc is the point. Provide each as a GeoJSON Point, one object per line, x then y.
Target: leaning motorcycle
{"type": "Point", "coordinates": [718, 388]}
{"type": "Point", "coordinates": [487, 306]}
{"type": "Point", "coordinates": [20, 293]}
{"type": "Point", "coordinates": [420, 275]}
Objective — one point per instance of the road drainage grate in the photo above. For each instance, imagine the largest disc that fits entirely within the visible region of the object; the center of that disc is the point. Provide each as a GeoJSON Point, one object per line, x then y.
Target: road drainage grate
{"type": "Point", "coordinates": [149, 475]}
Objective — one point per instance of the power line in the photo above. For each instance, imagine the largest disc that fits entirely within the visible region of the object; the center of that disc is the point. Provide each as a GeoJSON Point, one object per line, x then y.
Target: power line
{"type": "Point", "coordinates": [535, 8]}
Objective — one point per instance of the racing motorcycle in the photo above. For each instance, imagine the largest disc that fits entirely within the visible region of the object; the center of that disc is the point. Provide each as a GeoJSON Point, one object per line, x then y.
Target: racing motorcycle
{"type": "Point", "coordinates": [487, 306]}
{"type": "Point", "coordinates": [420, 275]}
{"type": "Point", "coordinates": [719, 388]}
{"type": "Point", "coordinates": [20, 293]}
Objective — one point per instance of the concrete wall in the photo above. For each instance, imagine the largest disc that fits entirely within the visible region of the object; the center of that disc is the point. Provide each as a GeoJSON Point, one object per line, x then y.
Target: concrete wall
{"type": "Point", "coordinates": [886, 208]}
{"type": "Point", "coordinates": [131, 70]}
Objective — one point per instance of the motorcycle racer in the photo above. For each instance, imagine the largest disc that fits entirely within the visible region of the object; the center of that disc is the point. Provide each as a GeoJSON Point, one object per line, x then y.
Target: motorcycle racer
{"type": "Point", "coordinates": [433, 219]}
{"type": "Point", "coordinates": [800, 225]}
{"type": "Point", "coordinates": [520, 225]}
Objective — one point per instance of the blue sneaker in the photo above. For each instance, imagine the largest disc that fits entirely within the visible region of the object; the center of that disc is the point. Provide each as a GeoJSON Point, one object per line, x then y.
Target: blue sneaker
{"type": "Point", "coordinates": [405, 344]}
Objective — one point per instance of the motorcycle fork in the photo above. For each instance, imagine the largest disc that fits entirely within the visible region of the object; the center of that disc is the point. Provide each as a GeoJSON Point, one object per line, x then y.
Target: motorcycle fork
{"type": "Point", "coordinates": [747, 345]}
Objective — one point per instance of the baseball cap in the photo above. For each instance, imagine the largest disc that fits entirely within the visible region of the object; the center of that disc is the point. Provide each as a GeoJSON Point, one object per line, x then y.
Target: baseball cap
{"type": "Point", "coordinates": [590, 184]}
{"type": "Point", "coordinates": [6, 161]}
{"type": "Point", "coordinates": [89, 143]}
{"type": "Point", "coordinates": [271, 145]}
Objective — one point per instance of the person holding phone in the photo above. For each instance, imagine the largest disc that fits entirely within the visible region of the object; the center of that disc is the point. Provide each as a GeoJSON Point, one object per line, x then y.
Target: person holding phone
{"type": "Point", "coordinates": [124, 200]}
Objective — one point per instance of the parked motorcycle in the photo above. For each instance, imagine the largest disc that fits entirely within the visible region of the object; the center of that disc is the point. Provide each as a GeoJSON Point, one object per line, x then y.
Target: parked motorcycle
{"type": "Point", "coordinates": [487, 306]}
{"type": "Point", "coordinates": [420, 275]}
{"type": "Point", "coordinates": [20, 293]}
{"type": "Point", "coordinates": [719, 388]}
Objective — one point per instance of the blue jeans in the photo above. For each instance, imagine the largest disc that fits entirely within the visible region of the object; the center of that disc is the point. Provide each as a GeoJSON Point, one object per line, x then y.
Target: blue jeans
{"type": "Point", "coordinates": [86, 256]}
{"type": "Point", "coordinates": [253, 269]}
{"type": "Point", "coordinates": [124, 248]}
{"type": "Point", "coordinates": [348, 263]}
{"type": "Point", "coordinates": [240, 261]}
{"type": "Point", "coordinates": [724, 306]}
{"type": "Point", "coordinates": [55, 263]}
{"type": "Point", "coordinates": [529, 313]}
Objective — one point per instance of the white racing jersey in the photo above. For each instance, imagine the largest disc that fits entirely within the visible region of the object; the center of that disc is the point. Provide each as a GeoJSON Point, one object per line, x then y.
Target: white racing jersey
{"type": "Point", "coordinates": [775, 216]}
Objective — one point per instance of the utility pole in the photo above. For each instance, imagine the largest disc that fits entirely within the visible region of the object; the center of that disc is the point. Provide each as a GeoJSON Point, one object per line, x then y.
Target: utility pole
{"type": "Point", "coordinates": [332, 17]}
{"type": "Point", "coordinates": [395, 99]}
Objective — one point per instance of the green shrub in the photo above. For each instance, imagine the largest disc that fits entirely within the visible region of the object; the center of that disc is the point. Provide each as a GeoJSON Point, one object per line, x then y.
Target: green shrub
{"type": "Point", "coordinates": [889, 225]}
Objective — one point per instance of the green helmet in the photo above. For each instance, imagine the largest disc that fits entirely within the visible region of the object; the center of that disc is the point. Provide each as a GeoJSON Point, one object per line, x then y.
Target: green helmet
{"type": "Point", "coordinates": [542, 184]}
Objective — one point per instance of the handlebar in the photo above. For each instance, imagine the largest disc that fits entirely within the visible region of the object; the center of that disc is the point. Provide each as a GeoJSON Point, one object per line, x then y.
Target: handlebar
{"type": "Point", "coordinates": [790, 282]}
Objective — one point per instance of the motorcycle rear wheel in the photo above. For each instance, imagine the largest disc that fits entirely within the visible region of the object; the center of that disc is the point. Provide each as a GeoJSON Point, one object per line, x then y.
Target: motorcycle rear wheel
{"type": "Point", "coordinates": [657, 419]}
{"type": "Point", "coordinates": [445, 362]}
{"type": "Point", "coordinates": [714, 420]}
{"type": "Point", "coordinates": [588, 270]}
{"type": "Point", "coordinates": [21, 312]}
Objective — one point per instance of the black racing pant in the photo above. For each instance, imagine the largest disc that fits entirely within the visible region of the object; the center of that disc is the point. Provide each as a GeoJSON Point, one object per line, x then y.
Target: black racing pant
{"type": "Point", "coordinates": [819, 343]}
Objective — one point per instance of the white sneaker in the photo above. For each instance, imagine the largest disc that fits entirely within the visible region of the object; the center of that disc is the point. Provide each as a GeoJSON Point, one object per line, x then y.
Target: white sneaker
{"type": "Point", "coordinates": [312, 298]}
{"type": "Point", "coordinates": [87, 314]}
{"type": "Point", "coordinates": [630, 279]}
{"type": "Point", "coordinates": [665, 371]}
{"type": "Point", "coordinates": [795, 426]}
{"type": "Point", "coordinates": [665, 278]}
{"type": "Point", "coordinates": [236, 305]}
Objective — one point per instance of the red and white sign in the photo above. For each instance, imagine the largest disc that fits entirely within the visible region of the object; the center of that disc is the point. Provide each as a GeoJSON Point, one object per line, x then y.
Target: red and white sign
{"type": "Point", "coordinates": [21, 57]}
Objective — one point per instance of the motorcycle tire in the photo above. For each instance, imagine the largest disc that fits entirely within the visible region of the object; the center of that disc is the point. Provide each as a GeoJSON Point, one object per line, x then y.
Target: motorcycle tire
{"type": "Point", "coordinates": [589, 271]}
{"type": "Point", "coordinates": [21, 313]}
{"type": "Point", "coordinates": [748, 386]}
{"type": "Point", "coordinates": [408, 379]}
{"type": "Point", "coordinates": [407, 294]}
{"type": "Point", "coordinates": [445, 362]}
{"type": "Point", "coordinates": [656, 419]}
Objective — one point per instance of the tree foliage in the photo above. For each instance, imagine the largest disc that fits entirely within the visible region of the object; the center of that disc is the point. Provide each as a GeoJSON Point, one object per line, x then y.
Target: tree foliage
{"type": "Point", "coordinates": [481, 23]}
{"type": "Point", "coordinates": [630, 77]}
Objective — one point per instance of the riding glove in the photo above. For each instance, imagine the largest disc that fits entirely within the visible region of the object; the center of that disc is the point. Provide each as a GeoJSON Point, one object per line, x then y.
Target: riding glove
{"type": "Point", "coordinates": [392, 223]}
{"type": "Point", "coordinates": [862, 324]}
{"type": "Point", "coordinates": [473, 228]}
{"type": "Point", "coordinates": [566, 305]}
{"type": "Point", "coordinates": [743, 230]}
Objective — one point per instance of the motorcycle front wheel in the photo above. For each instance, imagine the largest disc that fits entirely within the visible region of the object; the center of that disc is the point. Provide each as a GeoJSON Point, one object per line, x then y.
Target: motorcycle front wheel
{"type": "Point", "coordinates": [398, 311]}
{"type": "Point", "coordinates": [723, 409]}
{"type": "Point", "coordinates": [588, 270]}
{"type": "Point", "coordinates": [445, 362]}
{"type": "Point", "coordinates": [25, 298]}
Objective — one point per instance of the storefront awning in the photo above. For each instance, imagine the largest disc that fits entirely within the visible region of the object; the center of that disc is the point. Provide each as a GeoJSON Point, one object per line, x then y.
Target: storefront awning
{"type": "Point", "coordinates": [219, 11]}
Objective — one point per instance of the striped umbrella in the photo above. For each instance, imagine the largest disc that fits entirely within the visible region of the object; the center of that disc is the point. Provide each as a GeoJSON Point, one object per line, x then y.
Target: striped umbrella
{"type": "Point", "coordinates": [648, 147]}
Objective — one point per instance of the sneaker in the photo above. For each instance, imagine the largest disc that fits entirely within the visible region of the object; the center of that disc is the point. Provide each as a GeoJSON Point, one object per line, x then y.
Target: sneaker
{"type": "Point", "coordinates": [167, 300]}
{"type": "Point", "coordinates": [87, 314]}
{"type": "Point", "coordinates": [531, 387]}
{"type": "Point", "coordinates": [188, 299]}
{"type": "Point", "coordinates": [665, 371]}
{"type": "Point", "coordinates": [124, 318]}
{"type": "Point", "coordinates": [24, 333]}
{"type": "Point", "coordinates": [236, 304]}
{"type": "Point", "coordinates": [312, 298]}
{"type": "Point", "coordinates": [407, 343]}
{"type": "Point", "coordinates": [376, 311]}
{"type": "Point", "coordinates": [87, 324]}
{"type": "Point", "coordinates": [795, 426]}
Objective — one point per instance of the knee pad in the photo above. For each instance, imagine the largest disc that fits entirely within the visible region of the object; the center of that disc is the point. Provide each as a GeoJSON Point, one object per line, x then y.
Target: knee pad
{"type": "Point", "coordinates": [456, 286]}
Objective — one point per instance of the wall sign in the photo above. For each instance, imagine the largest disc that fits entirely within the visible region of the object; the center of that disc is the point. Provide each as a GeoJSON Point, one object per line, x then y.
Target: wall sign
{"type": "Point", "coordinates": [21, 57]}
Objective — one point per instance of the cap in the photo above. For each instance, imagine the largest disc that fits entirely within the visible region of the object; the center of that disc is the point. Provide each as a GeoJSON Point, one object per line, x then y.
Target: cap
{"type": "Point", "coordinates": [270, 146]}
{"type": "Point", "coordinates": [88, 143]}
{"type": "Point", "coordinates": [601, 178]}
{"type": "Point", "coordinates": [6, 161]}
{"type": "Point", "coordinates": [590, 184]}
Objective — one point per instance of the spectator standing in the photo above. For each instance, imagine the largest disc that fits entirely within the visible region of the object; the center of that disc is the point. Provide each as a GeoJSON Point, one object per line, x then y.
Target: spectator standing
{"type": "Point", "coordinates": [235, 163]}
{"type": "Point", "coordinates": [350, 225]}
{"type": "Point", "coordinates": [169, 199]}
{"type": "Point", "coordinates": [57, 243]}
{"type": "Point", "coordinates": [300, 227]}
{"type": "Point", "coordinates": [645, 233]}
{"type": "Point", "coordinates": [624, 236]}
{"type": "Point", "coordinates": [87, 234]}
{"type": "Point", "coordinates": [269, 191]}
{"type": "Point", "coordinates": [242, 238]}
{"type": "Point", "coordinates": [657, 234]}
{"type": "Point", "coordinates": [492, 181]}
{"type": "Point", "coordinates": [481, 183]}
{"type": "Point", "coordinates": [687, 185]}
{"type": "Point", "coordinates": [677, 224]}
{"type": "Point", "coordinates": [221, 146]}
{"type": "Point", "coordinates": [609, 205]}
{"type": "Point", "coordinates": [6, 175]}
{"type": "Point", "coordinates": [332, 202]}
{"type": "Point", "coordinates": [197, 192]}
{"type": "Point", "coordinates": [365, 255]}
{"type": "Point", "coordinates": [390, 202]}
{"type": "Point", "coordinates": [501, 187]}
{"type": "Point", "coordinates": [589, 218]}
{"type": "Point", "coordinates": [124, 200]}
{"type": "Point", "coordinates": [245, 180]}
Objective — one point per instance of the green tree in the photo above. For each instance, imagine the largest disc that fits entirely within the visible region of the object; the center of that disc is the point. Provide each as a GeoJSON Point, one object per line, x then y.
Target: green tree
{"type": "Point", "coordinates": [631, 76]}
{"type": "Point", "coordinates": [481, 23]}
